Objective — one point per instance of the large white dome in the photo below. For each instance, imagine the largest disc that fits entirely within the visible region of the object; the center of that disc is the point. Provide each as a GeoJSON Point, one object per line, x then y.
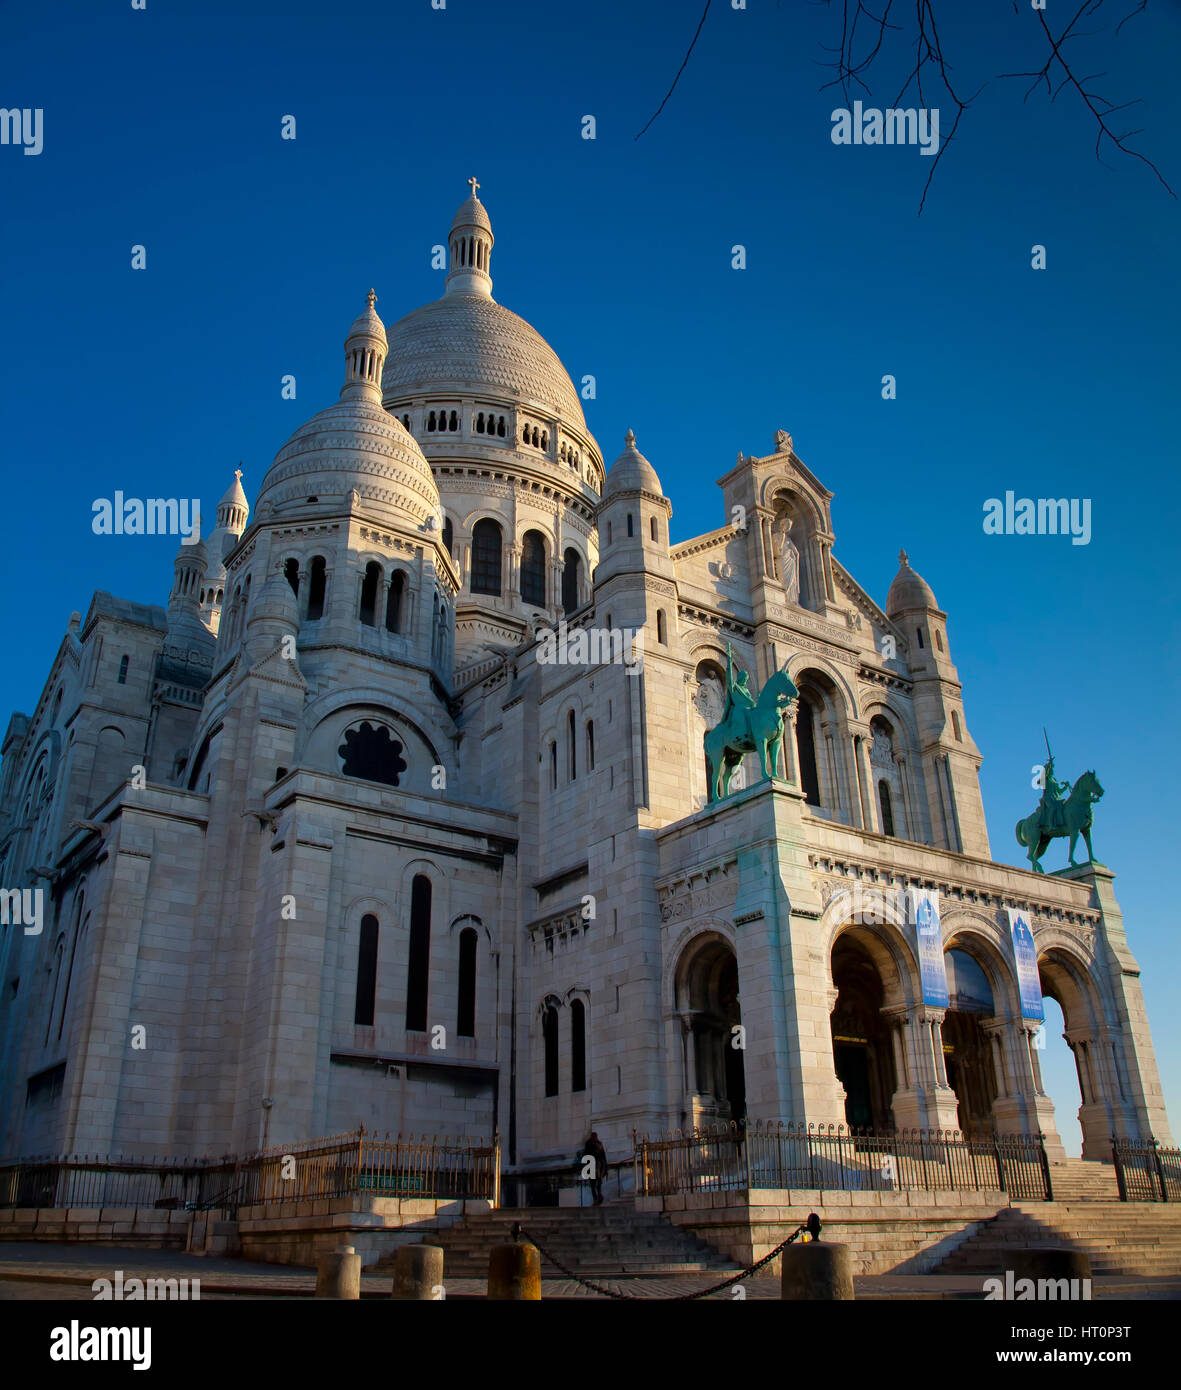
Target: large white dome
{"type": "Point", "coordinates": [468, 344]}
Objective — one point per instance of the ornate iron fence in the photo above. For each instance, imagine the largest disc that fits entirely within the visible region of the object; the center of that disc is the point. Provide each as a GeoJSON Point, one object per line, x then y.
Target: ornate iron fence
{"type": "Point", "coordinates": [343, 1165]}
{"type": "Point", "coordinates": [833, 1158]}
{"type": "Point", "coordinates": [1144, 1172]}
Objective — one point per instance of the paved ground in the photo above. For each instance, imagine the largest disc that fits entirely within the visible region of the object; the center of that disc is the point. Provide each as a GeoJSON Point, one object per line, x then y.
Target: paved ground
{"type": "Point", "coordinates": [51, 1271]}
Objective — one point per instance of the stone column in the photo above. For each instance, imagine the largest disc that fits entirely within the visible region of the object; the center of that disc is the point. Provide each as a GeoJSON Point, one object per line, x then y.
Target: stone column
{"type": "Point", "coordinates": [869, 818]}
{"type": "Point", "coordinates": [512, 573]}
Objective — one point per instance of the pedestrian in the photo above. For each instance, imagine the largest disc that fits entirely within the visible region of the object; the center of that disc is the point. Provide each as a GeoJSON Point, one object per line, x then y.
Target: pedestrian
{"type": "Point", "coordinates": [597, 1169]}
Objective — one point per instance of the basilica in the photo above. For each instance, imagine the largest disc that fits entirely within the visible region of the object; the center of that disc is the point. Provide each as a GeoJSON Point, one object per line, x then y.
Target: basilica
{"type": "Point", "coordinates": [329, 839]}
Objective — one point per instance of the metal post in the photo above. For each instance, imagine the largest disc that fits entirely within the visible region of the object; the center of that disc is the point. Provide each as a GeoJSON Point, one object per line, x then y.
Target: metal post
{"type": "Point", "coordinates": [1119, 1170]}
{"type": "Point", "coordinates": [1041, 1143]}
{"type": "Point", "coordinates": [1160, 1172]}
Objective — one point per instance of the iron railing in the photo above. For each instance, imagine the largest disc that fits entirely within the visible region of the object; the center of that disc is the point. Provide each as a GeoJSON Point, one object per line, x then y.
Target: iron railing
{"type": "Point", "coordinates": [833, 1158]}
{"type": "Point", "coordinates": [343, 1165]}
{"type": "Point", "coordinates": [1144, 1172]}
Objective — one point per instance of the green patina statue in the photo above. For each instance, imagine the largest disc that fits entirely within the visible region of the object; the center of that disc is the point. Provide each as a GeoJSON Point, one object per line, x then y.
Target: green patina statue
{"type": "Point", "coordinates": [747, 726]}
{"type": "Point", "coordinates": [1056, 817]}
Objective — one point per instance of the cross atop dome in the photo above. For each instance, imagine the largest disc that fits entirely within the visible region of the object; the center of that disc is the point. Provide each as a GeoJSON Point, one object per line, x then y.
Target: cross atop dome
{"type": "Point", "coordinates": [372, 298]}
{"type": "Point", "coordinates": [475, 185]}
{"type": "Point", "coordinates": [903, 558]}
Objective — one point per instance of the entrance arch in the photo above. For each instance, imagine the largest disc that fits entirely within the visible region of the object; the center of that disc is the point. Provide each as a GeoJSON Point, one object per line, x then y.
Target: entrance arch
{"type": "Point", "coordinates": [967, 1049]}
{"type": "Point", "coordinates": [709, 1009]}
{"type": "Point", "coordinates": [1065, 980]}
{"type": "Point", "coordinates": [862, 1048]}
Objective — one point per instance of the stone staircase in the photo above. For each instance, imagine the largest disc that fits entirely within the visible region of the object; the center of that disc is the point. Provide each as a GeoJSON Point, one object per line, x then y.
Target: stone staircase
{"type": "Point", "coordinates": [1084, 1180]}
{"type": "Point", "coordinates": [607, 1241]}
{"type": "Point", "coordinates": [1119, 1237]}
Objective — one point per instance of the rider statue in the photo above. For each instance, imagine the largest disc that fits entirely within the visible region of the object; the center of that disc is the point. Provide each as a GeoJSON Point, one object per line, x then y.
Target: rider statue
{"type": "Point", "coordinates": [737, 687]}
{"type": "Point", "coordinates": [1051, 808]}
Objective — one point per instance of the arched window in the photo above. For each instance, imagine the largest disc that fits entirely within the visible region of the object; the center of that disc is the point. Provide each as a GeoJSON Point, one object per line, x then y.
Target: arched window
{"type": "Point", "coordinates": [578, 1046]}
{"type": "Point", "coordinates": [887, 807]}
{"type": "Point", "coordinates": [806, 752]}
{"type": "Point", "coordinates": [393, 601]}
{"type": "Point", "coordinates": [369, 593]}
{"type": "Point", "coordinates": [454, 421]}
{"type": "Point", "coordinates": [661, 628]}
{"type": "Point", "coordinates": [652, 525]}
{"type": "Point", "coordinates": [500, 426]}
{"type": "Point", "coordinates": [480, 423]}
{"type": "Point", "coordinates": [124, 662]}
{"type": "Point", "coordinates": [956, 728]}
{"type": "Point", "coordinates": [571, 566]}
{"type": "Point", "coordinates": [58, 955]}
{"type": "Point", "coordinates": [430, 421]}
{"type": "Point", "coordinates": [418, 969]}
{"type": "Point", "coordinates": [466, 1013]}
{"type": "Point", "coordinates": [549, 1033]}
{"type": "Point", "coordinates": [533, 568]}
{"type": "Point", "coordinates": [590, 745]}
{"type": "Point", "coordinates": [291, 574]}
{"type": "Point", "coordinates": [80, 924]}
{"type": "Point", "coordinates": [570, 744]}
{"type": "Point", "coordinates": [317, 588]}
{"type": "Point", "coordinates": [448, 536]}
{"type": "Point", "coordinates": [366, 1004]}
{"type": "Point", "coordinates": [372, 754]}
{"type": "Point", "coordinates": [486, 549]}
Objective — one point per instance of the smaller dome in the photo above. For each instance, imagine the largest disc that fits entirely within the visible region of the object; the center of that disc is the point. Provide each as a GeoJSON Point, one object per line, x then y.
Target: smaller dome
{"type": "Point", "coordinates": [235, 496]}
{"type": "Point", "coordinates": [276, 602]}
{"type": "Point", "coordinates": [908, 591]}
{"type": "Point", "coordinates": [631, 472]}
{"type": "Point", "coordinates": [472, 213]}
{"type": "Point", "coordinates": [368, 323]}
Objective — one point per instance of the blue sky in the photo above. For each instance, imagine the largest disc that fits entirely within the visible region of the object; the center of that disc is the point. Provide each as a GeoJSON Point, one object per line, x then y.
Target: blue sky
{"type": "Point", "coordinates": [162, 129]}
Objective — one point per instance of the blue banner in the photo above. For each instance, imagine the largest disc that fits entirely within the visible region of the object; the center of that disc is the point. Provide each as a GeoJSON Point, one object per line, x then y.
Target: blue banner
{"type": "Point", "coordinates": [1025, 955]}
{"type": "Point", "coordinates": [924, 911]}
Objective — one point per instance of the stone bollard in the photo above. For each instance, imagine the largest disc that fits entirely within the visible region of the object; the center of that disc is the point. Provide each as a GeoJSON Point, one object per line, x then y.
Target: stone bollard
{"type": "Point", "coordinates": [338, 1274]}
{"type": "Point", "coordinates": [1050, 1263]}
{"type": "Point", "coordinates": [816, 1270]}
{"type": "Point", "coordinates": [418, 1273]}
{"type": "Point", "coordinates": [514, 1272]}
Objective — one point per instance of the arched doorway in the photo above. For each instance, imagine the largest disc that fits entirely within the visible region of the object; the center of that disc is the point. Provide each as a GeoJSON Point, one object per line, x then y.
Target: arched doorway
{"type": "Point", "coordinates": [967, 1049]}
{"type": "Point", "coordinates": [708, 1004]}
{"type": "Point", "coordinates": [862, 1053]}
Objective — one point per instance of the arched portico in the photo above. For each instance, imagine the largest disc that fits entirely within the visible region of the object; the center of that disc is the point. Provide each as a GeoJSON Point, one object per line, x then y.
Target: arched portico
{"type": "Point", "coordinates": [713, 1079]}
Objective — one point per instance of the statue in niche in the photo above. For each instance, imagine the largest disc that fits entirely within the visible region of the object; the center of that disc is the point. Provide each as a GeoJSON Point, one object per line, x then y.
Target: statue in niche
{"type": "Point", "coordinates": [789, 559]}
{"type": "Point", "coordinates": [881, 750]}
{"type": "Point", "coordinates": [710, 703]}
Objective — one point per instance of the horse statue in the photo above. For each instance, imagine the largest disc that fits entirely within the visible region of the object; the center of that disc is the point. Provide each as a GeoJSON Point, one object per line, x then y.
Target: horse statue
{"type": "Point", "coordinates": [1071, 817]}
{"type": "Point", "coordinates": [748, 728]}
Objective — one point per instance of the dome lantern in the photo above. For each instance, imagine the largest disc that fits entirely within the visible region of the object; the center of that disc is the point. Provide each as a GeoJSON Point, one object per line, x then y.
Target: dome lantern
{"type": "Point", "coordinates": [364, 355]}
{"type": "Point", "coordinates": [470, 248]}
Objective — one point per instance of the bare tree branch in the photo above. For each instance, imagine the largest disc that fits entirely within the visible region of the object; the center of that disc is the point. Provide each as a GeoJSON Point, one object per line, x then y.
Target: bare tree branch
{"type": "Point", "coordinates": [681, 69]}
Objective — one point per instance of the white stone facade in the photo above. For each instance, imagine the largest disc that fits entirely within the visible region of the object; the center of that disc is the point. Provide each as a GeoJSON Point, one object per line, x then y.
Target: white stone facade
{"type": "Point", "coordinates": [367, 809]}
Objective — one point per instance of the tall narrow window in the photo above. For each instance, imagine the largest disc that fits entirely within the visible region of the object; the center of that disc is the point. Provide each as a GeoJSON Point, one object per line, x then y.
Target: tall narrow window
{"type": "Point", "coordinates": [572, 746]}
{"type": "Point", "coordinates": [661, 628]}
{"type": "Point", "coordinates": [486, 547]}
{"type": "Point", "coordinates": [553, 764]}
{"type": "Point", "coordinates": [652, 524]}
{"type": "Point", "coordinates": [369, 593]}
{"type": "Point", "coordinates": [466, 1013]}
{"type": "Point", "coordinates": [418, 970]}
{"type": "Point", "coordinates": [448, 536]}
{"type": "Point", "coordinates": [366, 1004]}
{"type": "Point", "coordinates": [918, 632]}
{"type": "Point", "coordinates": [590, 745]}
{"type": "Point", "coordinates": [629, 523]}
{"type": "Point", "coordinates": [549, 1033]}
{"type": "Point", "coordinates": [806, 751]}
{"type": "Point", "coordinates": [887, 807]}
{"type": "Point", "coordinates": [291, 574]}
{"type": "Point", "coordinates": [577, 1046]}
{"type": "Point", "coordinates": [123, 665]}
{"type": "Point", "coordinates": [393, 601]}
{"type": "Point", "coordinates": [317, 588]}
{"type": "Point", "coordinates": [956, 727]}
{"type": "Point", "coordinates": [571, 566]}
{"type": "Point", "coordinates": [533, 568]}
